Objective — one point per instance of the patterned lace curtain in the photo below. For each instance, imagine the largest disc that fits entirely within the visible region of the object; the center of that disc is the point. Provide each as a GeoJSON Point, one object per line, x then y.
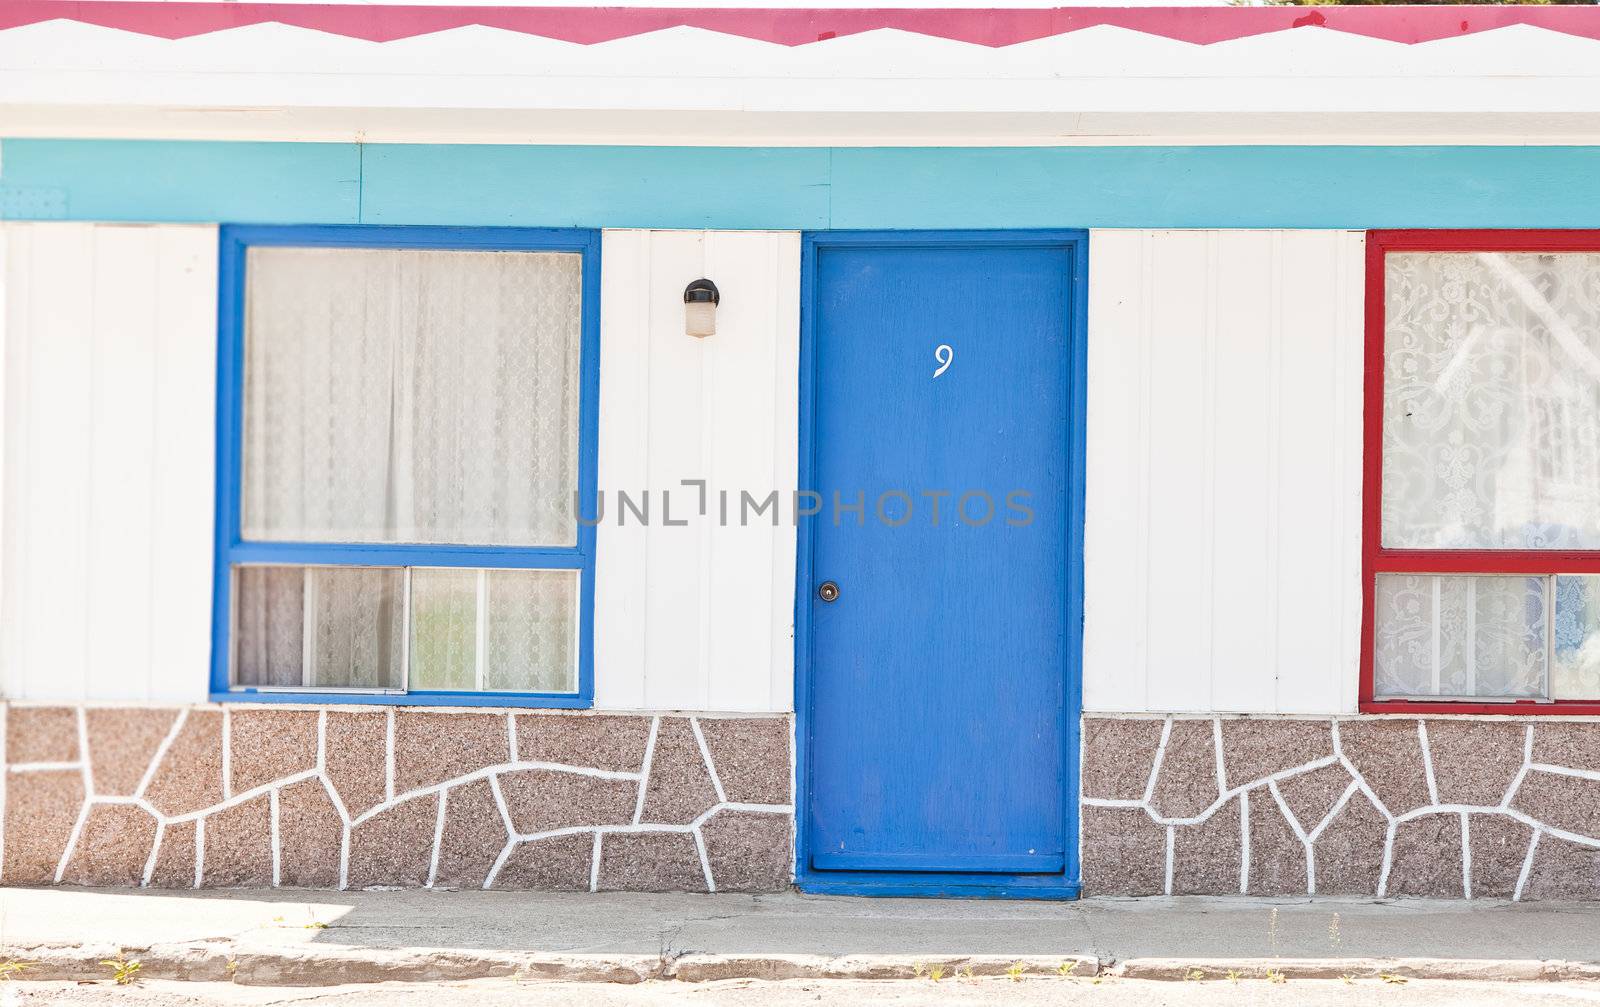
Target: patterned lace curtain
{"type": "Point", "coordinates": [409, 396]}
{"type": "Point", "coordinates": [1491, 418]}
{"type": "Point", "coordinates": [1491, 440]}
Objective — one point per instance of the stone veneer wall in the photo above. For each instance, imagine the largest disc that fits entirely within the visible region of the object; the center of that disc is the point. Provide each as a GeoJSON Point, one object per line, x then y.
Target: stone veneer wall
{"type": "Point", "coordinates": [250, 795]}
{"type": "Point", "coordinates": [1505, 808]}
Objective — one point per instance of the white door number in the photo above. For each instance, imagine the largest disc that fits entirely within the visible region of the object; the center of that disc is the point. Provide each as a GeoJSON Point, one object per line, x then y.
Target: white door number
{"type": "Point", "coordinates": [944, 353]}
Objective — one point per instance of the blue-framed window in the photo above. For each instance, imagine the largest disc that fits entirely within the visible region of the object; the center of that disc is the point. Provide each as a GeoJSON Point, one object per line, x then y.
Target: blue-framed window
{"type": "Point", "coordinates": [406, 430]}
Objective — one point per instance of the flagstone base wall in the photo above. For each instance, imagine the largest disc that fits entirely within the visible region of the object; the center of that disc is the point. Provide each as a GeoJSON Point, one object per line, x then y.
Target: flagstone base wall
{"type": "Point", "coordinates": [341, 797]}
{"type": "Point", "coordinates": [1459, 807]}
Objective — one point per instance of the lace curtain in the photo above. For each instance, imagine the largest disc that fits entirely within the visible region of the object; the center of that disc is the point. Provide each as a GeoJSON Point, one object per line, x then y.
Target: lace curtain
{"type": "Point", "coordinates": [1491, 440]}
{"type": "Point", "coordinates": [1491, 422]}
{"type": "Point", "coordinates": [1460, 636]}
{"type": "Point", "coordinates": [399, 395]}
{"type": "Point", "coordinates": [409, 396]}
{"type": "Point", "coordinates": [471, 630]}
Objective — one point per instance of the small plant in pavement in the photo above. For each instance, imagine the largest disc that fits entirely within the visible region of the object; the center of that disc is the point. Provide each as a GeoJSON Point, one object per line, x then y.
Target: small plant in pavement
{"type": "Point", "coordinates": [123, 971]}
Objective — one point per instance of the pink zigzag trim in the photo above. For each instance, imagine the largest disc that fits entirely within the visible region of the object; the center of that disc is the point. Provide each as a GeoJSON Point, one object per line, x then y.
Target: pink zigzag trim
{"type": "Point", "coordinates": [799, 26]}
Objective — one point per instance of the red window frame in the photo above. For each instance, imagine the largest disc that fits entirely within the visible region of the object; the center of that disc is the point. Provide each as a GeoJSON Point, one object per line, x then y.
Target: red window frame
{"type": "Point", "coordinates": [1374, 558]}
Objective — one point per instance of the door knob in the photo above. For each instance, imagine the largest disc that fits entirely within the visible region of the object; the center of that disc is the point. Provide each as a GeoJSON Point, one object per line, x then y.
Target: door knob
{"type": "Point", "coordinates": [829, 591]}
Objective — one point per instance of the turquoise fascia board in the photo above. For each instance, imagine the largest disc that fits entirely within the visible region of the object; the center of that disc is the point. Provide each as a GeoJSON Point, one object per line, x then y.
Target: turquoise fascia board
{"type": "Point", "coordinates": [801, 188]}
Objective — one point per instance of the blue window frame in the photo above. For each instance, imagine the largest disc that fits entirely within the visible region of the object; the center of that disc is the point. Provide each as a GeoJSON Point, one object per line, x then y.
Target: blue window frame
{"type": "Point", "coordinates": [233, 551]}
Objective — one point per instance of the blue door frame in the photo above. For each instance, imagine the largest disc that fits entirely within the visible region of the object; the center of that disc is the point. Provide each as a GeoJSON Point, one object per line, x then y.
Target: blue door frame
{"type": "Point", "coordinates": [945, 884]}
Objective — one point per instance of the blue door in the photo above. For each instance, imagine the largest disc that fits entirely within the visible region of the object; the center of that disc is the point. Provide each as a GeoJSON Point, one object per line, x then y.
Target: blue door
{"type": "Point", "coordinates": [940, 577]}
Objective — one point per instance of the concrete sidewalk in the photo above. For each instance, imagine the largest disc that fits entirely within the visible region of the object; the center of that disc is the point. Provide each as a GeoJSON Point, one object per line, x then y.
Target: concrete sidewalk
{"type": "Point", "coordinates": [323, 938]}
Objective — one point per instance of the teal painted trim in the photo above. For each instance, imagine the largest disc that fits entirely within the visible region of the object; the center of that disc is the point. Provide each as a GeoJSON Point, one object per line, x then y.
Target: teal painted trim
{"type": "Point", "coordinates": [157, 180]}
{"type": "Point", "coordinates": [692, 187]}
{"type": "Point", "coordinates": [801, 188]}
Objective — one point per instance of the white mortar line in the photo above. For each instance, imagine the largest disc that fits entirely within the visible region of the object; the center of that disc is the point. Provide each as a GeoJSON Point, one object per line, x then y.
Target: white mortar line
{"type": "Point", "coordinates": [1427, 761]}
{"type": "Point", "coordinates": [1244, 844]}
{"type": "Point", "coordinates": [1516, 785]}
{"type": "Point", "coordinates": [625, 830]}
{"type": "Point", "coordinates": [277, 858]}
{"type": "Point", "coordinates": [1466, 857]}
{"type": "Point", "coordinates": [1155, 763]}
{"type": "Point", "coordinates": [644, 770]}
{"type": "Point", "coordinates": [1216, 738]}
{"type": "Point", "coordinates": [438, 838]}
{"type": "Point", "coordinates": [83, 753]}
{"type": "Point", "coordinates": [344, 858]}
{"type": "Point", "coordinates": [1527, 746]}
{"type": "Point", "coordinates": [500, 803]}
{"type": "Point", "coordinates": [1171, 855]}
{"type": "Point", "coordinates": [1300, 833]}
{"type": "Point", "coordinates": [1582, 774]}
{"type": "Point", "coordinates": [499, 862]}
{"type": "Point", "coordinates": [1527, 867]}
{"type": "Point", "coordinates": [705, 756]}
{"type": "Point", "coordinates": [511, 737]}
{"type": "Point", "coordinates": [161, 752]}
{"type": "Point", "coordinates": [1219, 803]}
{"type": "Point", "coordinates": [594, 865]}
{"type": "Point", "coordinates": [333, 795]}
{"type": "Point", "coordinates": [322, 741]}
{"type": "Point", "coordinates": [388, 757]}
{"type": "Point", "coordinates": [1338, 806]}
{"type": "Point", "coordinates": [705, 861]}
{"type": "Point", "coordinates": [1283, 807]}
{"type": "Point", "coordinates": [488, 772]}
{"type": "Point", "coordinates": [1388, 859]}
{"type": "Point", "coordinates": [155, 853]}
{"type": "Point", "coordinates": [227, 752]}
{"type": "Point", "coordinates": [72, 839]}
{"type": "Point", "coordinates": [199, 852]}
{"type": "Point", "coordinates": [231, 802]}
{"type": "Point", "coordinates": [45, 767]}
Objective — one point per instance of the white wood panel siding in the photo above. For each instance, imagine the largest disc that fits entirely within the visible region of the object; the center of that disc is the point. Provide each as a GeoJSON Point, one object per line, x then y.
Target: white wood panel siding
{"type": "Point", "coordinates": [697, 617]}
{"type": "Point", "coordinates": [1223, 530]}
{"type": "Point", "coordinates": [110, 376]}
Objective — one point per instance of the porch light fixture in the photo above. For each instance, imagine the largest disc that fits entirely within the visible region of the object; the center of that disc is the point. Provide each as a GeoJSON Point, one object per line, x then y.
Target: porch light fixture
{"type": "Point", "coordinates": [700, 300]}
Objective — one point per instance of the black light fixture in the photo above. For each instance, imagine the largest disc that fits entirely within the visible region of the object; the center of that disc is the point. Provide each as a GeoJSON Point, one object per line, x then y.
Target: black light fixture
{"type": "Point", "coordinates": [700, 300]}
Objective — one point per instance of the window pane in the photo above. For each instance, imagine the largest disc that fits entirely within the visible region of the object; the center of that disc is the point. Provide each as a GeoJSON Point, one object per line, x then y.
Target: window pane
{"type": "Point", "coordinates": [1491, 417]}
{"type": "Point", "coordinates": [351, 615]}
{"type": "Point", "coordinates": [531, 630]}
{"type": "Point", "coordinates": [269, 605]}
{"type": "Point", "coordinates": [1576, 671]}
{"type": "Point", "coordinates": [1460, 636]}
{"type": "Point", "coordinates": [403, 395]}
{"type": "Point", "coordinates": [444, 629]}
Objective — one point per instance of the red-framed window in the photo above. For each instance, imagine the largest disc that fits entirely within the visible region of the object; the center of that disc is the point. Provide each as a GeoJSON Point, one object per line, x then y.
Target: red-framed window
{"type": "Point", "coordinates": [1481, 509]}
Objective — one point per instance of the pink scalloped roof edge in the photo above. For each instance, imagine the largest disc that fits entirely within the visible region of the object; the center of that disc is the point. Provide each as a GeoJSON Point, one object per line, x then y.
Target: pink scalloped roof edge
{"type": "Point", "coordinates": [799, 26]}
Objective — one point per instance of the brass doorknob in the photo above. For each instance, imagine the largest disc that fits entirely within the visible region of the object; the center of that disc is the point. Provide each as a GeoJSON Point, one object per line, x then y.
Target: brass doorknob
{"type": "Point", "coordinates": [829, 591]}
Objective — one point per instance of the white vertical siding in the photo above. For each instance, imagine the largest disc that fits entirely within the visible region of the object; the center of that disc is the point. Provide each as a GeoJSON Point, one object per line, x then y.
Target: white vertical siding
{"type": "Point", "coordinates": [106, 535]}
{"type": "Point", "coordinates": [1222, 548]}
{"type": "Point", "coordinates": [698, 617]}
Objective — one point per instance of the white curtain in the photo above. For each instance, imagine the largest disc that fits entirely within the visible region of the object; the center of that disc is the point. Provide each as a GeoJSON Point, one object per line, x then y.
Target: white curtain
{"type": "Point", "coordinates": [411, 396]}
{"type": "Point", "coordinates": [354, 618]}
{"type": "Point", "coordinates": [1460, 636]}
{"type": "Point", "coordinates": [1491, 418]}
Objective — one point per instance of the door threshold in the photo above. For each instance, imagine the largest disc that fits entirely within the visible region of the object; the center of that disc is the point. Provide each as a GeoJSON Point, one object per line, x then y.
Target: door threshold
{"type": "Point", "coordinates": [936, 887]}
